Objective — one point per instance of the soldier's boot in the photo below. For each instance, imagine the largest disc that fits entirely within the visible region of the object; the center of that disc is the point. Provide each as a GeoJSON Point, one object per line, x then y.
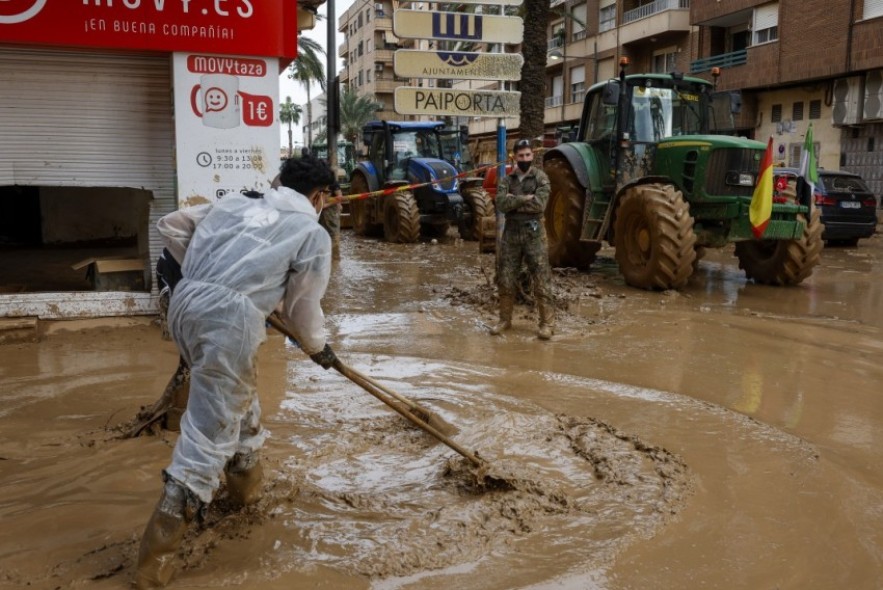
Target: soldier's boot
{"type": "Point", "coordinates": [507, 304]}
{"type": "Point", "coordinates": [244, 478]}
{"type": "Point", "coordinates": [547, 320]}
{"type": "Point", "coordinates": [176, 509]}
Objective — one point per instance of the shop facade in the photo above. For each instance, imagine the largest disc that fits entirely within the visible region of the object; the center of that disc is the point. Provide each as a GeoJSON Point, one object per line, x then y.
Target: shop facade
{"type": "Point", "coordinates": [114, 114]}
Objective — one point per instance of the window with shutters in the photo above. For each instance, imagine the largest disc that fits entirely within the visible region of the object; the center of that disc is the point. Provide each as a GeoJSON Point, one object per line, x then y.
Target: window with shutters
{"type": "Point", "coordinates": [776, 115]}
{"type": "Point", "coordinates": [607, 18]}
{"type": "Point", "coordinates": [795, 151]}
{"type": "Point", "coordinates": [815, 109]}
{"type": "Point", "coordinates": [766, 23]}
{"type": "Point", "coordinates": [664, 61]}
{"type": "Point", "coordinates": [577, 84]}
{"type": "Point", "coordinates": [797, 111]}
{"type": "Point", "coordinates": [579, 22]}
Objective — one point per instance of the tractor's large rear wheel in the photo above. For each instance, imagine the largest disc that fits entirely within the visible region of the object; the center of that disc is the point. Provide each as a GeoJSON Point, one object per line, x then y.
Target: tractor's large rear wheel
{"type": "Point", "coordinates": [359, 208]}
{"type": "Point", "coordinates": [480, 206]}
{"type": "Point", "coordinates": [783, 262]}
{"type": "Point", "coordinates": [401, 218]}
{"type": "Point", "coordinates": [654, 237]}
{"type": "Point", "coordinates": [564, 218]}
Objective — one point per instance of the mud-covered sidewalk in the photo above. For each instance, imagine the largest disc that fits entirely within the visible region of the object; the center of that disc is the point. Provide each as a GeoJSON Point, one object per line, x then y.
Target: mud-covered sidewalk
{"type": "Point", "coordinates": [727, 436]}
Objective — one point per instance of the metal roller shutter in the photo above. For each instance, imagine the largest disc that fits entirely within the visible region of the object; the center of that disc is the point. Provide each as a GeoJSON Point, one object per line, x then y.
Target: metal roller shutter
{"type": "Point", "coordinates": [83, 118]}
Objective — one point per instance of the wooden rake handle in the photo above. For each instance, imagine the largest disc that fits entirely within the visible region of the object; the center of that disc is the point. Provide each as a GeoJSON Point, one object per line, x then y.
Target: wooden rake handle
{"type": "Point", "coordinates": [384, 394]}
{"type": "Point", "coordinates": [366, 384]}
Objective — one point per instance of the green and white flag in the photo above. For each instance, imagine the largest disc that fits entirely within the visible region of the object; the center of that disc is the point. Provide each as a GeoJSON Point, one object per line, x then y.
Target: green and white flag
{"type": "Point", "coordinates": [808, 165]}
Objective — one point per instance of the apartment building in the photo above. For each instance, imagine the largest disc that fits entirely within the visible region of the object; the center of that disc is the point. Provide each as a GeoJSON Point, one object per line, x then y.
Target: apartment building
{"type": "Point", "coordinates": [367, 52]}
{"type": "Point", "coordinates": [315, 119]}
{"type": "Point", "coordinates": [784, 65]}
{"type": "Point", "coordinates": [796, 62]}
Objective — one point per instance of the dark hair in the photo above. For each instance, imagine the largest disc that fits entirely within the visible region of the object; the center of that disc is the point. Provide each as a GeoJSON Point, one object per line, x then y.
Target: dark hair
{"type": "Point", "coordinates": [305, 174]}
{"type": "Point", "coordinates": [521, 144]}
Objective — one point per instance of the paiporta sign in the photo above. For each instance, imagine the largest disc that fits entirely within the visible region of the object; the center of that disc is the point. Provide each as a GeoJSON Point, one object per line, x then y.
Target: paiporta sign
{"type": "Point", "coordinates": [265, 28]}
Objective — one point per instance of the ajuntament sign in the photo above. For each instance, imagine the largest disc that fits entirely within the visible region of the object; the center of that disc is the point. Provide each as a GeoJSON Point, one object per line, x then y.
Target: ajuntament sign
{"type": "Point", "coordinates": [458, 65]}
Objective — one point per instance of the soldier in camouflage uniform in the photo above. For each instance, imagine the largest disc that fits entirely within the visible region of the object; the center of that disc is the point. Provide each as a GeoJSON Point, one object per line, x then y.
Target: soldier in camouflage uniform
{"type": "Point", "coordinates": [522, 197]}
{"type": "Point", "coordinates": [329, 219]}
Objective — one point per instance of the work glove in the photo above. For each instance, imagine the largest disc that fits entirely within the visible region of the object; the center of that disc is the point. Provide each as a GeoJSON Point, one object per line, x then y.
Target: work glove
{"type": "Point", "coordinates": [325, 358]}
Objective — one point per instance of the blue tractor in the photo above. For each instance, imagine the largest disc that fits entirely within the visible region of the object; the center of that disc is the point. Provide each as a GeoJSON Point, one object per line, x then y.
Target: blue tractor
{"type": "Point", "coordinates": [405, 153]}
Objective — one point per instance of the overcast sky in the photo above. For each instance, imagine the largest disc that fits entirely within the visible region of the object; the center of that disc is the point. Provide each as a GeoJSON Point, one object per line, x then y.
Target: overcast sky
{"type": "Point", "coordinates": [296, 91]}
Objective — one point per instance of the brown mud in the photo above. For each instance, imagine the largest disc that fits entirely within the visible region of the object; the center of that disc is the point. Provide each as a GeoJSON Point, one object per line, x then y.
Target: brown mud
{"type": "Point", "coordinates": [724, 436]}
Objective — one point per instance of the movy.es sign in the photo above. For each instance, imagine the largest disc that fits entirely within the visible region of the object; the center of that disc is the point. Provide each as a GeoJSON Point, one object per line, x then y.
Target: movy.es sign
{"type": "Point", "coordinates": [240, 27]}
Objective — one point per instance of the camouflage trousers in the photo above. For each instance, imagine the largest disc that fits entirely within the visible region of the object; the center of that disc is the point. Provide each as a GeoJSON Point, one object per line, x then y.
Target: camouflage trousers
{"type": "Point", "coordinates": [525, 241]}
{"type": "Point", "coordinates": [329, 218]}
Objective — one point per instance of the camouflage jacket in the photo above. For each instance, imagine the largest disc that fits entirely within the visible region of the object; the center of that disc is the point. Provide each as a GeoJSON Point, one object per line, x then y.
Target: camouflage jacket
{"type": "Point", "coordinates": [535, 182]}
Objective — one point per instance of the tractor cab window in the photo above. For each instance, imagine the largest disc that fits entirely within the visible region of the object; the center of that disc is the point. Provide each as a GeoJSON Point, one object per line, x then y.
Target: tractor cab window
{"type": "Point", "coordinates": [416, 144]}
{"type": "Point", "coordinates": [658, 113]}
{"type": "Point", "coordinates": [378, 153]}
{"type": "Point", "coordinates": [455, 150]}
{"type": "Point", "coordinates": [601, 119]}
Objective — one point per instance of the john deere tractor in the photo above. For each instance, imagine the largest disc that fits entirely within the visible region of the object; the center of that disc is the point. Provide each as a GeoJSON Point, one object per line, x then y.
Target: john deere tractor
{"type": "Point", "coordinates": [405, 153]}
{"type": "Point", "coordinates": [646, 175]}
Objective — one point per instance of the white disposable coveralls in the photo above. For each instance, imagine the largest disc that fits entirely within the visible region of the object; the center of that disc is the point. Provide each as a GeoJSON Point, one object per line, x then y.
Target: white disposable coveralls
{"type": "Point", "coordinates": [243, 256]}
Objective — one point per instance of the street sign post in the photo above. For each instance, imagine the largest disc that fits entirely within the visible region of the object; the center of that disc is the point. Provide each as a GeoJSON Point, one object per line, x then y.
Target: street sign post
{"type": "Point", "coordinates": [447, 101]}
{"type": "Point", "coordinates": [457, 26]}
{"type": "Point", "coordinates": [458, 65]}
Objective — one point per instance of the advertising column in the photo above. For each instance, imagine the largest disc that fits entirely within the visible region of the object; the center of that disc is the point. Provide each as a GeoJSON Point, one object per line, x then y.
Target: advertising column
{"type": "Point", "coordinates": [225, 123]}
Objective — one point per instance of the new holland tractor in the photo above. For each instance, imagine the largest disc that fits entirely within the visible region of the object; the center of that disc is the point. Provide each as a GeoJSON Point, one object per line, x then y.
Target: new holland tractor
{"type": "Point", "coordinates": [646, 175]}
{"type": "Point", "coordinates": [405, 153]}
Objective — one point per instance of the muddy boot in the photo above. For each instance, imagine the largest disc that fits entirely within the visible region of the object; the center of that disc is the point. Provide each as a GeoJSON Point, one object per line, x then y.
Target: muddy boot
{"type": "Point", "coordinates": [176, 509]}
{"type": "Point", "coordinates": [244, 478]}
{"type": "Point", "coordinates": [507, 302]}
{"type": "Point", "coordinates": [547, 321]}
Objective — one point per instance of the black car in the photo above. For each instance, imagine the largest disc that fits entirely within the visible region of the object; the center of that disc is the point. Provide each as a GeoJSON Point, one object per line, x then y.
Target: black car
{"type": "Point", "coordinates": [848, 207]}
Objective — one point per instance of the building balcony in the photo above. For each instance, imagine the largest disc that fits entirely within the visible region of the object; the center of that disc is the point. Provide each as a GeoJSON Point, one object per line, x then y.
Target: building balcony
{"type": "Point", "coordinates": [342, 50]}
{"type": "Point", "coordinates": [383, 23]}
{"type": "Point", "coordinates": [654, 19]}
{"type": "Point", "coordinates": [384, 55]}
{"type": "Point", "coordinates": [386, 86]}
{"type": "Point", "coordinates": [554, 101]}
{"type": "Point", "coordinates": [560, 112]}
{"type": "Point", "coordinates": [724, 60]}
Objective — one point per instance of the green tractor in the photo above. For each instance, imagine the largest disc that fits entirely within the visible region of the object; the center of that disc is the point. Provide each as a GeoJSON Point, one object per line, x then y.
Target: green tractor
{"type": "Point", "coordinates": [646, 175]}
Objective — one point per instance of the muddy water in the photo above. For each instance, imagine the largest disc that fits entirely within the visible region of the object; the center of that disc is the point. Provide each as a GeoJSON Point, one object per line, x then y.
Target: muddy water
{"type": "Point", "coordinates": [724, 437]}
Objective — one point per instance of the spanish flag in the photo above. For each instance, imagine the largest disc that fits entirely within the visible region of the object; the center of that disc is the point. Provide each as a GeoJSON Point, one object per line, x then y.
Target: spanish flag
{"type": "Point", "coordinates": [762, 202]}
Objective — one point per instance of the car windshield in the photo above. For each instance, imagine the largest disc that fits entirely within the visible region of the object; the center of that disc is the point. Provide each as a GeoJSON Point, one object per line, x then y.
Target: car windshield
{"type": "Point", "coordinates": [844, 184]}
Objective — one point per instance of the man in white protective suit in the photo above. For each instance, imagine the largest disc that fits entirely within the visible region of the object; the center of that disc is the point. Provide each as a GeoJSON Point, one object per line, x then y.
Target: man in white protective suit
{"type": "Point", "coordinates": [243, 258]}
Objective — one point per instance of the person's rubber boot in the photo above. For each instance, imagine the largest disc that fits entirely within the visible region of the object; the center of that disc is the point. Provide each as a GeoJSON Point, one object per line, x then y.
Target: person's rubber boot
{"type": "Point", "coordinates": [547, 321]}
{"type": "Point", "coordinates": [177, 508]}
{"type": "Point", "coordinates": [244, 478]}
{"type": "Point", "coordinates": [507, 303]}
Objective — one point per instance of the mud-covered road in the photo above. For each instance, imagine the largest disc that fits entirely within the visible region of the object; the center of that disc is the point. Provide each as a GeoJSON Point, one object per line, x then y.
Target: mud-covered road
{"type": "Point", "coordinates": [726, 436]}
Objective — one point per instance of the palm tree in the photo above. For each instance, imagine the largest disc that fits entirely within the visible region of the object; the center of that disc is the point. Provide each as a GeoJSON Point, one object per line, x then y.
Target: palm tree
{"type": "Point", "coordinates": [533, 72]}
{"type": "Point", "coordinates": [355, 111]}
{"type": "Point", "coordinates": [289, 113]}
{"type": "Point", "coordinates": [307, 69]}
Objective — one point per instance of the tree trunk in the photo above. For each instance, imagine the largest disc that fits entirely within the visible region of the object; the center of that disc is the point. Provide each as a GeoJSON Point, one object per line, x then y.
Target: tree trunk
{"type": "Point", "coordinates": [533, 72]}
{"type": "Point", "coordinates": [290, 142]}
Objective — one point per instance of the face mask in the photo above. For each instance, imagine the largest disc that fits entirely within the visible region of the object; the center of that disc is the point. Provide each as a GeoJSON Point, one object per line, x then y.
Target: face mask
{"type": "Point", "coordinates": [524, 166]}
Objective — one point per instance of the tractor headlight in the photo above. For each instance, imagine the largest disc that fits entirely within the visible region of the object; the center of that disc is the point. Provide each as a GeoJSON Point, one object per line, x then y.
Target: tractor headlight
{"type": "Point", "coordinates": [740, 178]}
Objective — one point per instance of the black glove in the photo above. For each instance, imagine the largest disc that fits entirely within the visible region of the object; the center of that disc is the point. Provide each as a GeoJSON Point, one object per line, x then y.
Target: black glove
{"type": "Point", "coordinates": [326, 358]}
